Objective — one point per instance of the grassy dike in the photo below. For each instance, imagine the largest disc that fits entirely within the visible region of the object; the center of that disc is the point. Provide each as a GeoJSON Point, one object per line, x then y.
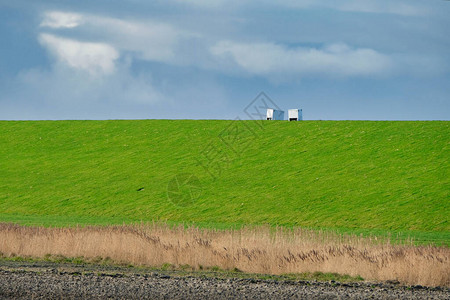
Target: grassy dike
{"type": "Point", "coordinates": [353, 176]}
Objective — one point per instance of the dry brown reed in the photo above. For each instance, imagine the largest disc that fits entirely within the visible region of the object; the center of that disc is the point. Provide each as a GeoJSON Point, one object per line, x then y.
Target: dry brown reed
{"type": "Point", "coordinates": [256, 250]}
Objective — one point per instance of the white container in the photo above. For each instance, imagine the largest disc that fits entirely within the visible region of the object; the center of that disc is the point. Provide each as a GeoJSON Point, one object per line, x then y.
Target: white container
{"type": "Point", "coordinates": [274, 114]}
{"type": "Point", "coordinates": [295, 114]}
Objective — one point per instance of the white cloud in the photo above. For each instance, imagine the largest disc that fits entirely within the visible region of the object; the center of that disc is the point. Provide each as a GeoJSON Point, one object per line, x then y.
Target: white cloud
{"type": "Point", "coordinates": [95, 58]}
{"type": "Point", "coordinates": [58, 19]}
{"type": "Point", "coordinates": [147, 40]}
{"type": "Point", "coordinates": [62, 86]}
{"type": "Point", "coordinates": [151, 41]}
{"type": "Point", "coordinates": [404, 8]}
{"type": "Point", "coordinates": [364, 6]}
{"type": "Point", "coordinates": [62, 92]}
{"type": "Point", "coordinates": [336, 59]}
{"type": "Point", "coordinates": [206, 3]}
{"type": "Point", "coordinates": [390, 7]}
{"type": "Point", "coordinates": [164, 42]}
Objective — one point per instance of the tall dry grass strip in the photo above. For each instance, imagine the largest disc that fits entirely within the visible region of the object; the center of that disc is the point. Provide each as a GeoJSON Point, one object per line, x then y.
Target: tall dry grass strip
{"type": "Point", "coordinates": [256, 250]}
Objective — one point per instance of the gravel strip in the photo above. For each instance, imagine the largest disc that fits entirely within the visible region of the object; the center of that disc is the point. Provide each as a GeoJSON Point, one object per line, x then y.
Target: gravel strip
{"type": "Point", "coordinates": [46, 282]}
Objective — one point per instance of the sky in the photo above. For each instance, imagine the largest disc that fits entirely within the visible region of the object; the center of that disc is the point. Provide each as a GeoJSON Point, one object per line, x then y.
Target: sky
{"type": "Point", "coordinates": [206, 59]}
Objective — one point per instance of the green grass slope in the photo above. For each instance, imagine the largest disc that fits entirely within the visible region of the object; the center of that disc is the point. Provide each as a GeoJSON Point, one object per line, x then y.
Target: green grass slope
{"type": "Point", "coordinates": [349, 175]}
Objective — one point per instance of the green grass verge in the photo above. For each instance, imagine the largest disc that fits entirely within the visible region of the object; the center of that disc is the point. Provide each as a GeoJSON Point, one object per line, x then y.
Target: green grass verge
{"type": "Point", "coordinates": [351, 176]}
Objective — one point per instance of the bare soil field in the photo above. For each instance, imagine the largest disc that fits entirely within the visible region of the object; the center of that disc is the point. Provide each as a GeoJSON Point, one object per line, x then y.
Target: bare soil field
{"type": "Point", "coordinates": [45, 280]}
